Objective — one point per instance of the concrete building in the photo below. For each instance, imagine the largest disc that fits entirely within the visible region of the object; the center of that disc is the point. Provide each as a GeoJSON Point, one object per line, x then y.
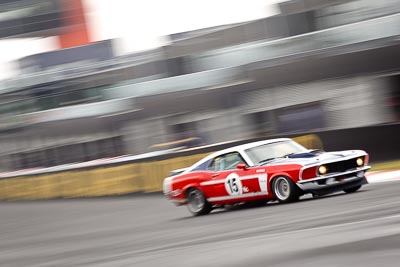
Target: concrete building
{"type": "Point", "coordinates": [317, 65]}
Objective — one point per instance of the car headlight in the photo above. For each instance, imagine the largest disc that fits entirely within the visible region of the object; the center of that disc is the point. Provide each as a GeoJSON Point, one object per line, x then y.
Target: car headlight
{"type": "Point", "coordinates": [322, 169]}
{"type": "Point", "coordinates": [360, 162]}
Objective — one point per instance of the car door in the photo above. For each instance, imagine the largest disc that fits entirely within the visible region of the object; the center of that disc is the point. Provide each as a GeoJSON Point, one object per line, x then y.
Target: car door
{"type": "Point", "coordinates": [227, 182]}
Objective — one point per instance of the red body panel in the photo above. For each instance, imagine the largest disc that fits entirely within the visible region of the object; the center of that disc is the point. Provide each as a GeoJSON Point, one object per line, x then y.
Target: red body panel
{"type": "Point", "coordinates": [238, 185]}
{"type": "Point", "coordinates": [309, 173]}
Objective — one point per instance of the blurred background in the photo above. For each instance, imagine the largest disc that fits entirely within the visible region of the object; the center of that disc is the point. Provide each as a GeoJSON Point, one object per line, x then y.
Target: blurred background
{"type": "Point", "coordinates": [82, 80]}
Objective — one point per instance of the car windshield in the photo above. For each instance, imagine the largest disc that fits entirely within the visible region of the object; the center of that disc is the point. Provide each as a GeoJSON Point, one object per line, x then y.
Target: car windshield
{"type": "Point", "coordinates": [271, 151]}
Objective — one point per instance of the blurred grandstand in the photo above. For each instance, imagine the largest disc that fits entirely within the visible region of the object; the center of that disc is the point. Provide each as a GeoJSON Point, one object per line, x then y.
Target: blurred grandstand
{"type": "Point", "coordinates": [319, 64]}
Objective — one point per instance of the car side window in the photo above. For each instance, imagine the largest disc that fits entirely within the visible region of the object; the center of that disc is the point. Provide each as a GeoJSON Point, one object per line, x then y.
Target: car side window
{"type": "Point", "coordinates": [225, 162]}
{"type": "Point", "coordinates": [202, 166]}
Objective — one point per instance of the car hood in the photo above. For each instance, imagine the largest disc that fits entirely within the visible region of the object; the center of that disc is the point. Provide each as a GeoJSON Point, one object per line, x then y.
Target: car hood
{"type": "Point", "coordinates": [314, 157]}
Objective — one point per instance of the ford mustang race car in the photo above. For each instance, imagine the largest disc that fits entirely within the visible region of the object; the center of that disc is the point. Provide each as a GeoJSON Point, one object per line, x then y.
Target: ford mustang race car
{"type": "Point", "coordinates": [277, 169]}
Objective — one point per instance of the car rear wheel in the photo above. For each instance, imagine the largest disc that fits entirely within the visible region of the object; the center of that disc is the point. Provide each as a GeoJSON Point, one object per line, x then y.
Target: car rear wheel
{"type": "Point", "coordinates": [285, 190]}
{"type": "Point", "coordinates": [197, 203]}
{"type": "Point", "coordinates": [352, 189]}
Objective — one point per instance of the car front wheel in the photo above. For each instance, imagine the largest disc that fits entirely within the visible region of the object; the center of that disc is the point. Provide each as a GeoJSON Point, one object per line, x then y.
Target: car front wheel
{"type": "Point", "coordinates": [197, 203]}
{"type": "Point", "coordinates": [285, 190]}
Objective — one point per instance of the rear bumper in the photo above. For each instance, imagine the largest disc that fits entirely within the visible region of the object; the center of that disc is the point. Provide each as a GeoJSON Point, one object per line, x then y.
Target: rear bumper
{"type": "Point", "coordinates": [334, 183]}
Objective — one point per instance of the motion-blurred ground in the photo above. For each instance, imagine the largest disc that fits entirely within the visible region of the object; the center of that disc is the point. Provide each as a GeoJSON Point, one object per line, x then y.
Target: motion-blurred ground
{"type": "Point", "coordinates": [359, 229]}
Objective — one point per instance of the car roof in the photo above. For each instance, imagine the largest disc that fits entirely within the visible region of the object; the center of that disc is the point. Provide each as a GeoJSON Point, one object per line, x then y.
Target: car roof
{"type": "Point", "coordinates": [249, 145]}
{"type": "Point", "coordinates": [240, 148]}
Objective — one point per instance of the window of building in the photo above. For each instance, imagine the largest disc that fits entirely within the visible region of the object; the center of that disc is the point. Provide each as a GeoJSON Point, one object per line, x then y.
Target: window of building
{"type": "Point", "coordinates": [300, 118]}
{"type": "Point", "coordinates": [394, 98]}
{"type": "Point", "coordinates": [262, 122]}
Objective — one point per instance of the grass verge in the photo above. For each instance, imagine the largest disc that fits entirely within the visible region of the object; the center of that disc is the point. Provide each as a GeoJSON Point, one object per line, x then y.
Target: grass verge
{"type": "Point", "coordinates": [386, 166]}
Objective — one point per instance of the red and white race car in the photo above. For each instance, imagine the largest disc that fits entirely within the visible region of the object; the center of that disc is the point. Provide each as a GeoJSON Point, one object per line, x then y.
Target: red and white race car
{"type": "Point", "coordinates": [277, 169]}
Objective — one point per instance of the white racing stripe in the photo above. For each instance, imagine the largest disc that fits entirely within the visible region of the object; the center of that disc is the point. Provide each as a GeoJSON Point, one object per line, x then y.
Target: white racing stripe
{"type": "Point", "coordinates": [212, 182]}
{"type": "Point", "coordinates": [222, 198]}
{"type": "Point", "coordinates": [221, 181]}
{"type": "Point", "coordinates": [372, 177]}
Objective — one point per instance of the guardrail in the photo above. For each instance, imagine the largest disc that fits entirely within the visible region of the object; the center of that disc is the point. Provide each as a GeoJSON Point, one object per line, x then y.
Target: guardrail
{"type": "Point", "coordinates": [94, 181]}
{"type": "Point", "coordinates": [146, 174]}
{"type": "Point", "coordinates": [141, 175]}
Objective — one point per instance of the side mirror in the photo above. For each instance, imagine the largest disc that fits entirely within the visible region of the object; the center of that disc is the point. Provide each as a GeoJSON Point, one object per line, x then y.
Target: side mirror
{"type": "Point", "coordinates": [241, 166]}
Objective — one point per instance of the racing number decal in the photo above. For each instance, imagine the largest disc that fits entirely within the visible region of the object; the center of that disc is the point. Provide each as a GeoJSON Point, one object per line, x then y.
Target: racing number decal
{"type": "Point", "coordinates": [234, 187]}
{"type": "Point", "coordinates": [233, 184]}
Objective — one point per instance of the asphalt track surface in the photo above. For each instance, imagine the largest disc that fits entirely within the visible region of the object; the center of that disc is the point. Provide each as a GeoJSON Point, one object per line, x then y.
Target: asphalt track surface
{"type": "Point", "coordinates": [359, 229]}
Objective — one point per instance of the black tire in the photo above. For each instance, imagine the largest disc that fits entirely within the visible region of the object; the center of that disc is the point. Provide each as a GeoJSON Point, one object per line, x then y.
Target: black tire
{"type": "Point", "coordinates": [197, 203]}
{"type": "Point", "coordinates": [352, 189]}
{"type": "Point", "coordinates": [284, 190]}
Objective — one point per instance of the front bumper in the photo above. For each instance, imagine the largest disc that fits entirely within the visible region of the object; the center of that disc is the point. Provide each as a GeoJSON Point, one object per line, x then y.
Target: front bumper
{"type": "Point", "coordinates": [327, 184]}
